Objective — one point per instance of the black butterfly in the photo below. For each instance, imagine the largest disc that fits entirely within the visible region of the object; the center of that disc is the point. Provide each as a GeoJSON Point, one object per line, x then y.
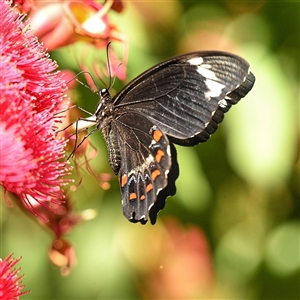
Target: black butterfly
{"type": "Point", "coordinates": [181, 100]}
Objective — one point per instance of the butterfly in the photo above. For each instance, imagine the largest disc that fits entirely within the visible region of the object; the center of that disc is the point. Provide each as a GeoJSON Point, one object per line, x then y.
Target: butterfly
{"type": "Point", "coordinates": [181, 100]}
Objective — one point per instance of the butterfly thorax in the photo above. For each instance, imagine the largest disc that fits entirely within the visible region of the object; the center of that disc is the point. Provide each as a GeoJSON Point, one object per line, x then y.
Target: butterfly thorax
{"type": "Point", "coordinates": [104, 118]}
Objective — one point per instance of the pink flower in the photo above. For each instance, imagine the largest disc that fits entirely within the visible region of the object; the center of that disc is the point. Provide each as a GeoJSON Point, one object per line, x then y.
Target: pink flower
{"type": "Point", "coordinates": [64, 22]}
{"type": "Point", "coordinates": [31, 94]}
{"type": "Point", "coordinates": [58, 24]}
{"type": "Point", "coordinates": [10, 282]}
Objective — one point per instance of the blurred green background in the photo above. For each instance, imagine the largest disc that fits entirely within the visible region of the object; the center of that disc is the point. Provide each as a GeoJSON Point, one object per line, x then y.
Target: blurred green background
{"type": "Point", "coordinates": [232, 229]}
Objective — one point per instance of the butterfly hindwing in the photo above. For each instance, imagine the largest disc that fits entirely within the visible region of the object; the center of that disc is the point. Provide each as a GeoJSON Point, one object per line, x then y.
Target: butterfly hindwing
{"type": "Point", "coordinates": [145, 163]}
{"type": "Point", "coordinates": [188, 95]}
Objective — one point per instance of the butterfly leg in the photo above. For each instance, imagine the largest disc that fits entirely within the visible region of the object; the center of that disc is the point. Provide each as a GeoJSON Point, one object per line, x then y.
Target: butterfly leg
{"type": "Point", "coordinates": [77, 130]}
{"type": "Point", "coordinates": [74, 106]}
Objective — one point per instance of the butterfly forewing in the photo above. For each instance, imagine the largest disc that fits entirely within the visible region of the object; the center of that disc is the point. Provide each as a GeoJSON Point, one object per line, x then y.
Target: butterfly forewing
{"type": "Point", "coordinates": [183, 94]}
{"type": "Point", "coordinates": [145, 163]}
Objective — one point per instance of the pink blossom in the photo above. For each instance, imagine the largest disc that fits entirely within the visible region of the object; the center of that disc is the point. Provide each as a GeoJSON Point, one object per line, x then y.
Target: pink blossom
{"type": "Point", "coordinates": [10, 282]}
{"type": "Point", "coordinates": [61, 23]}
{"type": "Point", "coordinates": [31, 94]}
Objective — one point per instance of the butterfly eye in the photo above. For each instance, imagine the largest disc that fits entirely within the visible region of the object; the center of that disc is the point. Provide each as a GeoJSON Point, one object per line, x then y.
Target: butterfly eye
{"type": "Point", "coordinates": [104, 93]}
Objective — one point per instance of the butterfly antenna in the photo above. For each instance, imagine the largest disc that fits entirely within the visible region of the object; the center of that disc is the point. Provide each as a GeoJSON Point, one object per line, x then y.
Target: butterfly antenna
{"type": "Point", "coordinates": [99, 74]}
{"type": "Point", "coordinates": [115, 77]}
{"type": "Point", "coordinates": [108, 66]}
{"type": "Point", "coordinates": [85, 85]}
{"type": "Point", "coordinates": [88, 73]}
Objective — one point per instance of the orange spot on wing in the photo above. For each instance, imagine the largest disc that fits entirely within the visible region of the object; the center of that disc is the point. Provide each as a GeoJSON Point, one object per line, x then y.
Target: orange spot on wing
{"type": "Point", "coordinates": [124, 180]}
{"type": "Point", "coordinates": [149, 187]}
{"type": "Point", "coordinates": [154, 174]}
{"type": "Point", "coordinates": [159, 155]}
{"type": "Point", "coordinates": [132, 196]}
{"type": "Point", "coordinates": [142, 197]}
{"type": "Point", "coordinates": [157, 134]}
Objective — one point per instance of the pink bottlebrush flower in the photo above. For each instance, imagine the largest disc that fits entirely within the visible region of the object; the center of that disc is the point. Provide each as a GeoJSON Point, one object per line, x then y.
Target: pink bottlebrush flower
{"type": "Point", "coordinates": [10, 282]}
{"type": "Point", "coordinates": [31, 93]}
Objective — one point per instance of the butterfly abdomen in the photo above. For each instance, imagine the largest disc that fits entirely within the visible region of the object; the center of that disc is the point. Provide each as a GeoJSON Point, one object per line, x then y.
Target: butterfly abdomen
{"type": "Point", "coordinates": [114, 156]}
{"type": "Point", "coordinates": [104, 117]}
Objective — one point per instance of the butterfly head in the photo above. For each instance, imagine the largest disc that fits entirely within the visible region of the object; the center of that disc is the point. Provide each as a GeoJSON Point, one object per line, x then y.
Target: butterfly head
{"type": "Point", "coordinates": [104, 108]}
{"type": "Point", "coordinates": [104, 93]}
